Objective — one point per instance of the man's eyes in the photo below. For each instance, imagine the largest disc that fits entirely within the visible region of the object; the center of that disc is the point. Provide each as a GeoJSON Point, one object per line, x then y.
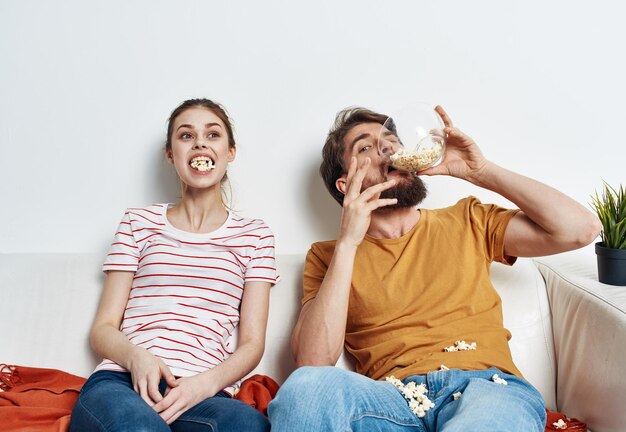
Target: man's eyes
{"type": "Point", "coordinates": [364, 148]}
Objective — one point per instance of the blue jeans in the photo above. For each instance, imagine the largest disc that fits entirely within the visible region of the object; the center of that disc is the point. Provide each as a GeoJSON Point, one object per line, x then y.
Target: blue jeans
{"type": "Point", "coordinates": [333, 399]}
{"type": "Point", "coordinates": [107, 402]}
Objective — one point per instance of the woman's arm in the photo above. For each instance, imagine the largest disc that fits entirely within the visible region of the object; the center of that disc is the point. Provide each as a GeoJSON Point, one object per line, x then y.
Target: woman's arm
{"type": "Point", "coordinates": [251, 344]}
{"type": "Point", "coordinates": [109, 342]}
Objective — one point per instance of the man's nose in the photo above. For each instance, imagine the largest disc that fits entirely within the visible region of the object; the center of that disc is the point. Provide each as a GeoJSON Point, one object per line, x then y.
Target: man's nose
{"type": "Point", "coordinates": [387, 148]}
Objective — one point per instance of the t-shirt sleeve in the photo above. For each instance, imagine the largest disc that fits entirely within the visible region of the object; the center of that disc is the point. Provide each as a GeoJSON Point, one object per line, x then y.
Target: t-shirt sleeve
{"type": "Point", "coordinates": [262, 265]}
{"type": "Point", "coordinates": [492, 220]}
{"type": "Point", "coordinates": [123, 254]}
{"type": "Point", "coordinates": [314, 272]}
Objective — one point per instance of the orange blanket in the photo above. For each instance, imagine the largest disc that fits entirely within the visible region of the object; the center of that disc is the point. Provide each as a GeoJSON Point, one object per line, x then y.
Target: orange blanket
{"type": "Point", "coordinates": [558, 422]}
{"type": "Point", "coordinates": [36, 399]}
{"type": "Point", "coordinates": [258, 391]}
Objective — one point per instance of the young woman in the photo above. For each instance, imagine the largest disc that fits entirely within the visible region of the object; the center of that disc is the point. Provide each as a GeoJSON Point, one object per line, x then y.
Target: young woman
{"type": "Point", "coordinates": [184, 309]}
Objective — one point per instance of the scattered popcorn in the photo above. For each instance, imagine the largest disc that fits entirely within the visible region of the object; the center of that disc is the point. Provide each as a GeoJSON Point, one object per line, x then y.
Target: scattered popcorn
{"type": "Point", "coordinates": [560, 424]}
{"type": "Point", "coordinates": [414, 394]}
{"type": "Point", "coordinates": [395, 381]}
{"type": "Point", "coordinates": [456, 395]}
{"type": "Point", "coordinates": [496, 379]}
{"type": "Point", "coordinates": [461, 346]}
{"type": "Point", "coordinates": [443, 368]}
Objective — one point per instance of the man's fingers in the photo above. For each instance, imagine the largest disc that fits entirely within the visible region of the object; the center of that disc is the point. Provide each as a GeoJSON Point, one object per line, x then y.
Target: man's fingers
{"type": "Point", "coordinates": [447, 121]}
{"type": "Point", "coordinates": [351, 169]}
{"type": "Point", "coordinates": [383, 202]}
{"type": "Point", "coordinates": [354, 186]}
{"type": "Point", "coordinates": [454, 132]}
{"type": "Point", "coordinates": [372, 191]}
{"type": "Point", "coordinates": [438, 132]}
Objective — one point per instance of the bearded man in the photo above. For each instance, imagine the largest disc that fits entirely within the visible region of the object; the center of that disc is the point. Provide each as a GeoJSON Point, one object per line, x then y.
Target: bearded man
{"type": "Point", "coordinates": [407, 291]}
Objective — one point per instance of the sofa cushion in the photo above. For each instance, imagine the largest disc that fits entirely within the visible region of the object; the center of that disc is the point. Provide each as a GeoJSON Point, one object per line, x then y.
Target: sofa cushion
{"type": "Point", "coordinates": [49, 301]}
{"type": "Point", "coordinates": [48, 304]}
{"type": "Point", "coordinates": [526, 313]}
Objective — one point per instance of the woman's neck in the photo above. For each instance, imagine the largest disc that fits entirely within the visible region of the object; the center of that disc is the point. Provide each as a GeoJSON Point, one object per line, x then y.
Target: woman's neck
{"type": "Point", "coordinates": [198, 211]}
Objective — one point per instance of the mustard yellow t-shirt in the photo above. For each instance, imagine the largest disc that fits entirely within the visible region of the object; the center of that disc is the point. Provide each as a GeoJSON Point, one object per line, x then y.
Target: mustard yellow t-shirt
{"type": "Point", "coordinates": [413, 296]}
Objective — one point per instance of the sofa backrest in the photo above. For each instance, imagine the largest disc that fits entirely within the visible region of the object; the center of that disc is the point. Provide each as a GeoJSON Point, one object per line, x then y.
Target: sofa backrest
{"type": "Point", "coordinates": [48, 302]}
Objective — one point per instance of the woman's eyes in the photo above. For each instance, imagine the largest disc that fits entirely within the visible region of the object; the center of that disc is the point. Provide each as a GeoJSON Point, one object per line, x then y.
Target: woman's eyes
{"type": "Point", "coordinates": [210, 135]}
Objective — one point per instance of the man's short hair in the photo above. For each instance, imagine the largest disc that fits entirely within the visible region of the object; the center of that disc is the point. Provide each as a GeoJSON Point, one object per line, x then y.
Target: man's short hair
{"type": "Point", "coordinates": [333, 166]}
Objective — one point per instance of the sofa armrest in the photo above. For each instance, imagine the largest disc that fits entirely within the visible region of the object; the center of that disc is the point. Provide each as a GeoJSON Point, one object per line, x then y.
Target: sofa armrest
{"type": "Point", "coordinates": [589, 328]}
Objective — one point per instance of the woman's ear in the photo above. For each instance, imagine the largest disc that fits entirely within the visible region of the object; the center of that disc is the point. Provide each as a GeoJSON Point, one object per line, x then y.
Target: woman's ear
{"type": "Point", "coordinates": [168, 156]}
{"type": "Point", "coordinates": [232, 152]}
{"type": "Point", "coordinates": [340, 184]}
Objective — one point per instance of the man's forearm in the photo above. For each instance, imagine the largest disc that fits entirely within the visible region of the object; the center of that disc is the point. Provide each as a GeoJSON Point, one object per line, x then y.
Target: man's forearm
{"type": "Point", "coordinates": [320, 332]}
{"type": "Point", "coordinates": [565, 221]}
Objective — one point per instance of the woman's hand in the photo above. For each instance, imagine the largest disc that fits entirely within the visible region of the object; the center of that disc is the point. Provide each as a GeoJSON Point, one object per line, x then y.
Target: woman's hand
{"type": "Point", "coordinates": [188, 392]}
{"type": "Point", "coordinates": [358, 206]}
{"type": "Point", "coordinates": [146, 371]}
{"type": "Point", "coordinates": [462, 158]}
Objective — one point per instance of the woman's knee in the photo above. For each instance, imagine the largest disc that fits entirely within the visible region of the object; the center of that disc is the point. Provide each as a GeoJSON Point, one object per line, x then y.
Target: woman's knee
{"type": "Point", "coordinates": [111, 406]}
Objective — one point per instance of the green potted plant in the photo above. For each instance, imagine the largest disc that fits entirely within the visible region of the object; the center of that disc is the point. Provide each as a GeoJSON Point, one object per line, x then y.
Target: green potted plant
{"type": "Point", "coordinates": [611, 252]}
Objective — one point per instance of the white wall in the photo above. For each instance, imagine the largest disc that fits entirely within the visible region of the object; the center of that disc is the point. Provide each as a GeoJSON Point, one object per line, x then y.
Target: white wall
{"type": "Point", "coordinates": [86, 88]}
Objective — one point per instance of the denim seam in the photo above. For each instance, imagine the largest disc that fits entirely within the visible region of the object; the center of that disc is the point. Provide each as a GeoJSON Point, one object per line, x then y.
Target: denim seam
{"type": "Point", "coordinates": [384, 417]}
{"type": "Point", "coordinates": [444, 385]}
{"type": "Point", "coordinates": [198, 420]}
{"type": "Point", "coordinates": [88, 411]}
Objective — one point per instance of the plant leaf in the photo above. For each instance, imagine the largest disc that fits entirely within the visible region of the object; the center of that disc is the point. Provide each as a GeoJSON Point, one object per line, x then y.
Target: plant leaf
{"type": "Point", "coordinates": [610, 207]}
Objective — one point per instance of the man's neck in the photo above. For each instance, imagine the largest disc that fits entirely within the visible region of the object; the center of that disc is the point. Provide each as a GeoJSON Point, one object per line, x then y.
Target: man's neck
{"type": "Point", "coordinates": [388, 224]}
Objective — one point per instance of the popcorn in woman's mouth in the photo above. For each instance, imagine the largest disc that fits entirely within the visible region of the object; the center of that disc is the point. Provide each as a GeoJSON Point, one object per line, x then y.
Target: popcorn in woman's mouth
{"type": "Point", "coordinates": [202, 163]}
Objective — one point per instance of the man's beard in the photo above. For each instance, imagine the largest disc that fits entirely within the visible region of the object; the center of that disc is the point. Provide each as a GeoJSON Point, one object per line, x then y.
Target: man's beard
{"type": "Point", "coordinates": [409, 192]}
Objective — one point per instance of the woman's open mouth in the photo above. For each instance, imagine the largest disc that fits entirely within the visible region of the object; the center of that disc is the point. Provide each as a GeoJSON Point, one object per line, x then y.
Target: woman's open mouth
{"type": "Point", "coordinates": [202, 163]}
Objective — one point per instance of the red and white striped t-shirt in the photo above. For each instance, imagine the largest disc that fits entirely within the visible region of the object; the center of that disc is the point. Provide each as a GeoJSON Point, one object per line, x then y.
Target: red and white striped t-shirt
{"type": "Point", "coordinates": [184, 301]}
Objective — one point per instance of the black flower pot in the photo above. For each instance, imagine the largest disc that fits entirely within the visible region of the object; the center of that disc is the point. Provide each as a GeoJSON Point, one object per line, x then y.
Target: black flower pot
{"type": "Point", "coordinates": [611, 265]}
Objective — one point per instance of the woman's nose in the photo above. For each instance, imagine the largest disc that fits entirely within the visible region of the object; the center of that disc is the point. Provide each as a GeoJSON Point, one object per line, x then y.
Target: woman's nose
{"type": "Point", "coordinates": [200, 143]}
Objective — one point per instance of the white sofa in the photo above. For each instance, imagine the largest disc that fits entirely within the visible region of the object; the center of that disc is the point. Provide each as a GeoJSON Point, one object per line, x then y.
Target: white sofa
{"type": "Point", "coordinates": [569, 331]}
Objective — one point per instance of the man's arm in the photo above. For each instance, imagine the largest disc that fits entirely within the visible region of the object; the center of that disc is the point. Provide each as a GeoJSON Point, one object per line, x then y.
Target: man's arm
{"type": "Point", "coordinates": [318, 336]}
{"type": "Point", "coordinates": [550, 221]}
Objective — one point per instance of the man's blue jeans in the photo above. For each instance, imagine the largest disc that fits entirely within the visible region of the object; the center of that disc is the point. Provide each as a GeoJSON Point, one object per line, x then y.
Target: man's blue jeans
{"type": "Point", "coordinates": [332, 399]}
{"type": "Point", "coordinates": [107, 402]}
